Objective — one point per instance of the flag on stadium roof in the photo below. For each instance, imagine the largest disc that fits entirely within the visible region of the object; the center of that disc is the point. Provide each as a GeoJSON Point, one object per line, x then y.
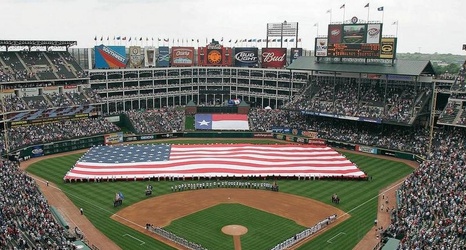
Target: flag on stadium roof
{"type": "Point", "coordinates": [343, 6]}
{"type": "Point", "coordinates": [380, 8]}
{"type": "Point", "coordinates": [366, 6]}
{"type": "Point", "coordinates": [144, 161]}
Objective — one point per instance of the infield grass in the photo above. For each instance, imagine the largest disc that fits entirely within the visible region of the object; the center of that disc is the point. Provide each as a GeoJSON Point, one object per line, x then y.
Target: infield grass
{"type": "Point", "coordinates": [358, 198]}
{"type": "Point", "coordinates": [206, 225]}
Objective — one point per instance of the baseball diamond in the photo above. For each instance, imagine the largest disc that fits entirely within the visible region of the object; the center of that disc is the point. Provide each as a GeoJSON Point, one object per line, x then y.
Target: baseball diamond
{"type": "Point", "coordinates": [256, 143]}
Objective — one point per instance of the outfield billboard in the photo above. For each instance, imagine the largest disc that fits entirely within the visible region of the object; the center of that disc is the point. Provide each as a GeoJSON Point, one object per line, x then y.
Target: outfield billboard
{"type": "Point", "coordinates": [182, 56]}
{"type": "Point", "coordinates": [246, 57]}
{"type": "Point", "coordinates": [295, 53]}
{"type": "Point", "coordinates": [273, 57]}
{"type": "Point", "coordinates": [109, 57]}
{"type": "Point", "coordinates": [136, 58]}
{"type": "Point", "coordinates": [335, 33]}
{"type": "Point", "coordinates": [214, 57]}
{"type": "Point", "coordinates": [149, 56]}
{"type": "Point", "coordinates": [113, 138]}
{"type": "Point", "coordinates": [163, 59]}
{"type": "Point", "coordinates": [321, 47]}
{"type": "Point", "coordinates": [374, 33]}
{"type": "Point", "coordinates": [388, 48]}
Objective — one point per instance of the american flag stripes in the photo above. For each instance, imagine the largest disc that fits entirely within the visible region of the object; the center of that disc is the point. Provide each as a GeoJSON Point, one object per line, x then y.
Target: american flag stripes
{"type": "Point", "coordinates": [146, 161]}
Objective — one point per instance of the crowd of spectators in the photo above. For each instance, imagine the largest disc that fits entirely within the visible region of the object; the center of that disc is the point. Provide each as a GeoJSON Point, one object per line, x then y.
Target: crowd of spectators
{"type": "Point", "coordinates": [14, 103]}
{"type": "Point", "coordinates": [169, 119]}
{"type": "Point", "coordinates": [25, 218]}
{"type": "Point", "coordinates": [390, 137]}
{"type": "Point", "coordinates": [370, 100]}
{"type": "Point", "coordinates": [32, 134]}
{"type": "Point", "coordinates": [432, 209]}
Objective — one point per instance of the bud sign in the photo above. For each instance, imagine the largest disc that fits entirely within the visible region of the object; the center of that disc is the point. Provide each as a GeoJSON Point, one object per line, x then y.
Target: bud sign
{"type": "Point", "coordinates": [273, 57]}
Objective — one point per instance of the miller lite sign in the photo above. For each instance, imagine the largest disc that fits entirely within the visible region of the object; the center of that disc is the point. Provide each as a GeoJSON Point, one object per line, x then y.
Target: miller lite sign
{"type": "Point", "coordinates": [273, 57]}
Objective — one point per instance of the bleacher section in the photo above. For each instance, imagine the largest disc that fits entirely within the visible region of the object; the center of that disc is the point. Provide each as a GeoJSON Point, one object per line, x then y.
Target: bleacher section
{"type": "Point", "coordinates": [394, 103]}
{"type": "Point", "coordinates": [454, 112]}
{"type": "Point", "coordinates": [38, 65]}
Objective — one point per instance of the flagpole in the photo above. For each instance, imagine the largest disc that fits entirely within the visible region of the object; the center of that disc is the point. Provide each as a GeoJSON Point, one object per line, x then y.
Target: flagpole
{"type": "Point", "coordinates": [368, 8]}
{"type": "Point", "coordinates": [396, 34]}
{"type": "Point", "coordinates": [383, 12]}
{"type": "Point", "coordinates": [344, 11]}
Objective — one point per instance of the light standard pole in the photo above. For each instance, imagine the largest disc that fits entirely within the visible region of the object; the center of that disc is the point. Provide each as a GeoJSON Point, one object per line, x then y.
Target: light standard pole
{"type": "Point", "coordinates": [281, 34]}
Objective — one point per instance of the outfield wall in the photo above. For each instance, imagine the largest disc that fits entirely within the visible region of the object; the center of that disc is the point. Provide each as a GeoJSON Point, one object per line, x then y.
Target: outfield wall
{"type": "Point", "coordinates": [87, 142]}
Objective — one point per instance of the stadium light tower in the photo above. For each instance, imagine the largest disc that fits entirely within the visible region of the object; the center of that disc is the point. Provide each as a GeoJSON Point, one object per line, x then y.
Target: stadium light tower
{"type": "Point", "coordinates": [281, 34]}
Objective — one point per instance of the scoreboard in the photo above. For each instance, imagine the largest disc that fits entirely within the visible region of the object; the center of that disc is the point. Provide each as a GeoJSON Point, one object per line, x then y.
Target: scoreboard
{"type": "Point", "coordinates": [355, 50]}
{"type": "Point", "coordinates": [356, 40]}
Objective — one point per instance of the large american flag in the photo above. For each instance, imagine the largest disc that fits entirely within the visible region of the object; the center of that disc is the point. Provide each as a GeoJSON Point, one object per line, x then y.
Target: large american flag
{"type": "Point", "coordinates": [210, 160]}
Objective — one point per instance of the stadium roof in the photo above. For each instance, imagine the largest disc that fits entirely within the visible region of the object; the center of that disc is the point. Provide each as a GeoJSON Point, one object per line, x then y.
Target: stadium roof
{"type": "Point", "coordinates": [33, 43]}
{"type": "Point", "coordinates": [400, 67]}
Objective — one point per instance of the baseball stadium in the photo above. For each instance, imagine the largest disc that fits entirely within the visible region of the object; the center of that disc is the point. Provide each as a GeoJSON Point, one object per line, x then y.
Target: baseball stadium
{"type": "Point", "coordinates": [245, 145]}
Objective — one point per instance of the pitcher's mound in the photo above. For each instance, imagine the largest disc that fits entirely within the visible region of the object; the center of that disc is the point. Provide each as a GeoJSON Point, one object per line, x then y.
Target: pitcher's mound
{"type": "Point", "coordinates": [234, 230]}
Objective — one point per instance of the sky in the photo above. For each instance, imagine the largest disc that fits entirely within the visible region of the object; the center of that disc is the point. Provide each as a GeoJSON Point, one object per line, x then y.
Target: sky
{"type": "Point", "coordinates": [425, 26]}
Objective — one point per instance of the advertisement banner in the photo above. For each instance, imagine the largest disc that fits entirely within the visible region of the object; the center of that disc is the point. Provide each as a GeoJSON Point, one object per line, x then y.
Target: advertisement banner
{"type": "Point", "coordinates": [37, 151]}
{"type": "Point", "coordinates": [334, 33]}
{"type": "Point", "coordinates": [163, 59]}
{"type": "Point", "coordinates": [310, 134]}
{"type": "Point", "coordinates": [135, 57]}
{"type": "Point", "coordinates": [388, 48]}
{"type": "Point", "coordinates": [113, 138]}
{"type": "Point", "coordinates": [263, 135]}
{"type": "Point", "coordinates": [295, 53]}
{"type": "Point", "coordinates": [366, 149]}
{"type": "Point", "coordinates": [50, 90]}
{"type": "Point", "coordinates": [354, 33]}
{"type": "Point", "coordinates": [8, 91]}
{"type": "Point", "coordinates": [246, 57]}
{"type": "Point", "coordinates": [321, 47]}
{"type": "Point", "coordinates": [374, 32]}
{"type": "Point", "coordinates": [214, 57]}
{"type": "Point", "coordinates": [149, 56]}
{"type": "Point", "coordinates": [316, 141]}
{"type": "Point", "coordinates": [182, 56]}
{"type": "Point", "coordinates": [273, 57]}
{"type": "Point", "coordinates": [109, 57]}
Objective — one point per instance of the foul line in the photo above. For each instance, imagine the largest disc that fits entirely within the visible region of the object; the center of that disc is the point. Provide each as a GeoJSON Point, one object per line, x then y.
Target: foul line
{"type": "Point", "coordinates": [338, 234]}
{"type": "Point", "coordinates": [129, 235]}
{"type": "Point", "coordinates": [88, 202]}
{"type": "Point", "coordinates": [364, 203]}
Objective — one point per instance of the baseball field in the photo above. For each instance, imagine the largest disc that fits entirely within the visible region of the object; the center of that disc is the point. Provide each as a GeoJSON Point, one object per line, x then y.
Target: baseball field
{"type": "Point", "coordinates": [357, 209]}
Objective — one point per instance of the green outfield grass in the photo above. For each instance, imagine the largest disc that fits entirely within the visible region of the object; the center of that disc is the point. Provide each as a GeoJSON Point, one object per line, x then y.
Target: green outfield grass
{"type": "Point", "coordinates": [358, 198]}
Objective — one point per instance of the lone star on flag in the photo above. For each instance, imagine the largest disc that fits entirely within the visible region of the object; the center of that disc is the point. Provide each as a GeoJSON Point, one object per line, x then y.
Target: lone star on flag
{"type": "Point", "coordinates": [203, 122]}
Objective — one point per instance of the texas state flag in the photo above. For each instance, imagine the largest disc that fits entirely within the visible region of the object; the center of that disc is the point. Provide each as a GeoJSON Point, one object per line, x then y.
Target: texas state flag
{"type": "Point", "coordinates": [222, 122]}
